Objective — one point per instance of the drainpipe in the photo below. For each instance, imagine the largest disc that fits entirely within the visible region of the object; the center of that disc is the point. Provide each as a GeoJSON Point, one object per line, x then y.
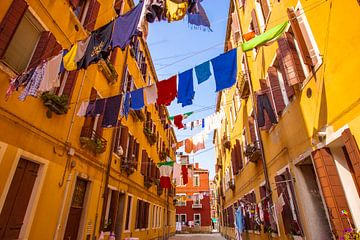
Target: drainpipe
{"type": "Point", "coordinates": [257, 130]}
{"type": "Point", "coordinates": [58, 225]}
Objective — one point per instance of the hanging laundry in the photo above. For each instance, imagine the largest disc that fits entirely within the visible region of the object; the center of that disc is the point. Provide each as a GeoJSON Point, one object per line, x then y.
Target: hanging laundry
{"type": "Point", "coordinates": [185, 115]}
{"type": "Point", "coordinates": [198, 142]}
{"type": "Point", "coordinates": [126, 107]}
{"type": "Point", "coordinates": [203, 72]}
{"type": "Point", "coordinates": [126, 26]}
{"type": "Point", "coordinates": [266, 38]}
{"type": "Point", "coordinates": [179, 144]}
{"type": "Point", "coordinates": [188, 145]}
{"type": "Point", "coordinates": [165, 173]}
{"type": "Point", "coordinates": [184, 171]}
{"type": "Point", "coordinates": [142, 25]}
{"type": "Point", "coordinates": [137, 99]}
{"type": "Point", "coordinates": [34, 82]}
{"type": "Point", "coordinates": [175, 11]}
{"type": "Point", "coordinates": [83, 109]}
{"type": "Point", "coordinates": [186, 88]}
{"type": "Point", "coordinates": [150, 94]}
{"type": "Point", "coordinates": [97, 108]}
{"type": "Point", "coordinates": [98, 46]}
{"type": "Point", "coordinates": [178, 121]}
{"type": "Point", "coordinates": [111, 112]}
{"type": "Point", "coordinates": [225, 70]}
{"type": "Point", "coordinates": [18, 81]}
{"type": "Point", "coordinates": [167, 91]}
{"type": "Point", "coordinates": [197, 16]}
{"type": "Point", "coordinates": [90, 109]}
{"type": "Point", "coordinates": [177, 173]}
{"type": "Point", "coordinates": [239, 220]}
{"type": "Point", "coordinates": [263, 104]}
{"type": "Point", "coordinates": [75, 54]}
{"type": "Point", "coordinates": [62, 67]}
{"type": "Point", "coordinates": [51, 76]}
{"type": "Point", "coordinates": [154, 10]}
{"type": "Point", "coordinates": [248, 36]}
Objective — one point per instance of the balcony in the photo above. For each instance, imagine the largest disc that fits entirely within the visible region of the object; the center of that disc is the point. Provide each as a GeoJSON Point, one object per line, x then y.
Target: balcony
{"type": "Point", "coordinates": [197, 205]}
{"type": "Point", "coordinates": [128, 165]}
{"type": "Point", "coordinates": [253, 152]}
{"type": "Point", "coordinates": [108, 69]}
{"type": "Point", "coordinates": [243, 85]}
{"type": "Point", "coordinates": [90, 140]}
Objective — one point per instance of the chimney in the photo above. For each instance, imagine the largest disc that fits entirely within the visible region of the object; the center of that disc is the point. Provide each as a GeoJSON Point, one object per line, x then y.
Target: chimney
{"type": "Point", "coordinates": [196, 165]}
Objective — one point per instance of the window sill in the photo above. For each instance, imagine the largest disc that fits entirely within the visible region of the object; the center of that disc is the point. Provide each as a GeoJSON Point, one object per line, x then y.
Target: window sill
{"type": "Point", "coordinates": [311, 75]}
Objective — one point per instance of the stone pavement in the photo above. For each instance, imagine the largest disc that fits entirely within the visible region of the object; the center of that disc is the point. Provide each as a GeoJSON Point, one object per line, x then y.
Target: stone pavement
{"type": "Point", "coordinates": [213, 236]}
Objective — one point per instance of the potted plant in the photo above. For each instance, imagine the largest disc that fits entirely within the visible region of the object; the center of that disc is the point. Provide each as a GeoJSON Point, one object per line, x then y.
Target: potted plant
{"type": "Point", "coordinates": [109, 71]}
{"type": "Point", "coordinates": [150, 136]}
{"type": "Point", "coordinates": [162, 155]}
{"type": "Point", "coordinates": [55, 103]}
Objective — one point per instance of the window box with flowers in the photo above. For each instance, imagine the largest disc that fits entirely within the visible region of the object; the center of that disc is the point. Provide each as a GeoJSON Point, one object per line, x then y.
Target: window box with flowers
{"type": "Point", "coordinates": [252, 152]}
{"type": "Point", "coordinates": [128, 166]}
{"type": "Point", "coordinates": [109, 71]}
{"type": "Point", "coordinates": [55, 103]}
{"type": "Point", "coordinates": [150, 136]}
{"type": "Point", "coordinates": [162, 155]}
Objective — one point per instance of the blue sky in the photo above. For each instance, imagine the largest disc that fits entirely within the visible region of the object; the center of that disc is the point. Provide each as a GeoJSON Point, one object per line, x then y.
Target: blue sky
{"type": "Point", "coordinates": [169, 44]}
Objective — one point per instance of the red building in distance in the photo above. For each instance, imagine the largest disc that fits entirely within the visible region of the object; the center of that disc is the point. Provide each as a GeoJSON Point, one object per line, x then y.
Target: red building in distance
{"type": "Point", "coordinates": [193, 205]}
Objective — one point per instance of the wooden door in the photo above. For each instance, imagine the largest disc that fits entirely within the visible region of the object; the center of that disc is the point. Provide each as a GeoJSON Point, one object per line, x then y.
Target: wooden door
{"type": "Point", "coordinates": [77, 205]}
{"type": "Point", "coordinates": [17, 199]}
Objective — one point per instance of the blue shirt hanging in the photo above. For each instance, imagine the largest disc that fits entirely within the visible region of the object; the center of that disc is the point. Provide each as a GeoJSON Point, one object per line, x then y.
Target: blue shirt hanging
{"type": "Point", "coordinates": [126, 27]}
{"type": "Point", "coordinates": [126, 105]}
{"type": "Point", "coordinates": [111, 112]}
{"type": "Point", "coordinates": [137, 99]}
{"type": "Point", "coordinates": [203, 72]}
{"type": "Point", "coordinates": [225, 69]}
{"type": "Point", "coordinates": [186, 88]}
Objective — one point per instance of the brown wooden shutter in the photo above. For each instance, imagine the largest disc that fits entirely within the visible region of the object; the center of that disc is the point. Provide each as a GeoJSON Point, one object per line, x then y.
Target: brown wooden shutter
{"type": "Point", "coordinates": [255, 22]}
{"type": "Point", "coordinates": [99, 128]}
{"type": "Point", "coordinates": [17, 200]}
{"type": "Point", "coordinates": [252, 131]}
{"type": "Point", "coordinates": [276, 90]}
{"type": "Point", "coordinates": [47, 47]}
{"type": "Point", "coordinates": [353, 152]}
{"type": "Point", "coordinates": [91, 15]}
{"type": "Point", "coordinates": [265, 9]}
{"type": "Point", "coordinates": [113, 210]}
{"type": "Point", "coordinates": [136, 153]}
{"type": "Point", "coordinates": [144, 159]}
{"type": "Point", "coordinates": [10, 23]}
{"type": "Point", "coordinates": [302, 38]}
{"type": "Point", "coordinates": [153, 170]}
{"type": "Point", "coordinates": [130, 148]}
{"type": "Point", "coordinates": [113, 55]}
{"type": "Point", "coordinates": [289, 89]}
{"type": "Point", "coordinates": [239, 154]}
{"type": "Point", "coordinates": [124, 138]}
{"type": "Point", "coordinates": [233, 162]}
{"type": "Point", "coordinates": [70, 84]}
{"type": "Point", "coordinates": [332, 190]}
{"type": "Point", "coordinates": [290, 59]}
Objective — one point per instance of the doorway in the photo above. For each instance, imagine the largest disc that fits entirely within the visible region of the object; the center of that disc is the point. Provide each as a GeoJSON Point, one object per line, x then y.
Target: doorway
{"type": "Point", "coordinates": [312, 201]}
{"type": "Point", "coordinates": [76, 210]}
{"type": "Point", "coordinates": [17, 199]}
{"type": "Point", "coordinates": [119, 217]}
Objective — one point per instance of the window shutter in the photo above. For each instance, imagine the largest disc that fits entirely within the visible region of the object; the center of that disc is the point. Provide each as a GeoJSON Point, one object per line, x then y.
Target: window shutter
{"type": "Point", "coordinates": [233, 162]}
{"type": "Point", "coordinates": [332, 190]}
{"type": "Point", "coordinates": [239, 154]}
{"type": "Point", "coordinates": [47, 47]}
{"type": "Point", "coordinates": [252, 132]}
{"type": "Point", "coordinates": [153, 170]}
{"type": "Point", "coordinates": [290, 59]}
{"type": "Point", "coordinates": [99, 129]}
{"type": "Point", "coordinates": [136, 153]}
{"type": "Point", "coordinates": [300, 32]}
{"type": "Point", "coordinates": [289, 89]}
{"type": "Point", "coordinates": [276, 90]}
{"type": "Point", "coordinates": [130, 149]}
{"type": "Point", "coordinates": [10, 23]}
{"type": "Point", "coordinates": [265, 9]}
{"type": "Point", "coordinates": [113, 55]}
{"type": "Point", "coordinates": [124, 139]}
{"type": "Point", "coordinates": [353, 152]}
{"type": "Point", "coordinates": [255, 22]}
{"type": "Point", "coordinates": [70, 84]}
{"type": "Point", "coordinates": [91, 15]}
{"type": "Point", "coordinates": [144, 159]}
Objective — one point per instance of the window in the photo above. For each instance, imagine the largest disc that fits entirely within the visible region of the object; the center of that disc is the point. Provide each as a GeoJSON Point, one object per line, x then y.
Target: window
{"type": "Point", "coordinates": [118, 6]}
{"type": "Point", "coordinates": [286, 193]}
{"type": "Point", "coordinates": [196, 198]}
{"type": "Point", "coordinates": [197, 219]}
{"type": "Point", "coordinates": [128, 213]}
{"type": "Point", "coordinates": [263, 12]}
{"type": "Point", "coordinates": [80, 8]}
{"type": "Point", "coordinates": [22, 44]}
{"type": "Point", "coordinates": [183, 218]}
{"type": "Point", "coordinates": [86, 11]}
{"type": "Point", "coordinates": [181, 199]}
{"type": "Point", "coordinates": [111, 206]}
{"type": "Point", "coordinates": [196, 180]}
{"type": "Point", "coordinates": [254, 26]}
{"type": "Point", "coordinates": [142, 214]}
{"type": "Point", "coordinates": [128, 81]}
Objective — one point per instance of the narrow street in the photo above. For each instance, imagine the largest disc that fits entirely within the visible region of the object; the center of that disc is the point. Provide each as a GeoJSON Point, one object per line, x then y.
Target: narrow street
{"type": "Point", "coordinates": [197, 236]}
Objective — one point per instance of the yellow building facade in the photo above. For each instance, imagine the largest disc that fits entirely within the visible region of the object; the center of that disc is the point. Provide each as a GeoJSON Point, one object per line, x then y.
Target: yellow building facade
{"type": "Point", "coordinates": [297, 178]}
{"type": "Point", "coordinates": [64, 176]}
